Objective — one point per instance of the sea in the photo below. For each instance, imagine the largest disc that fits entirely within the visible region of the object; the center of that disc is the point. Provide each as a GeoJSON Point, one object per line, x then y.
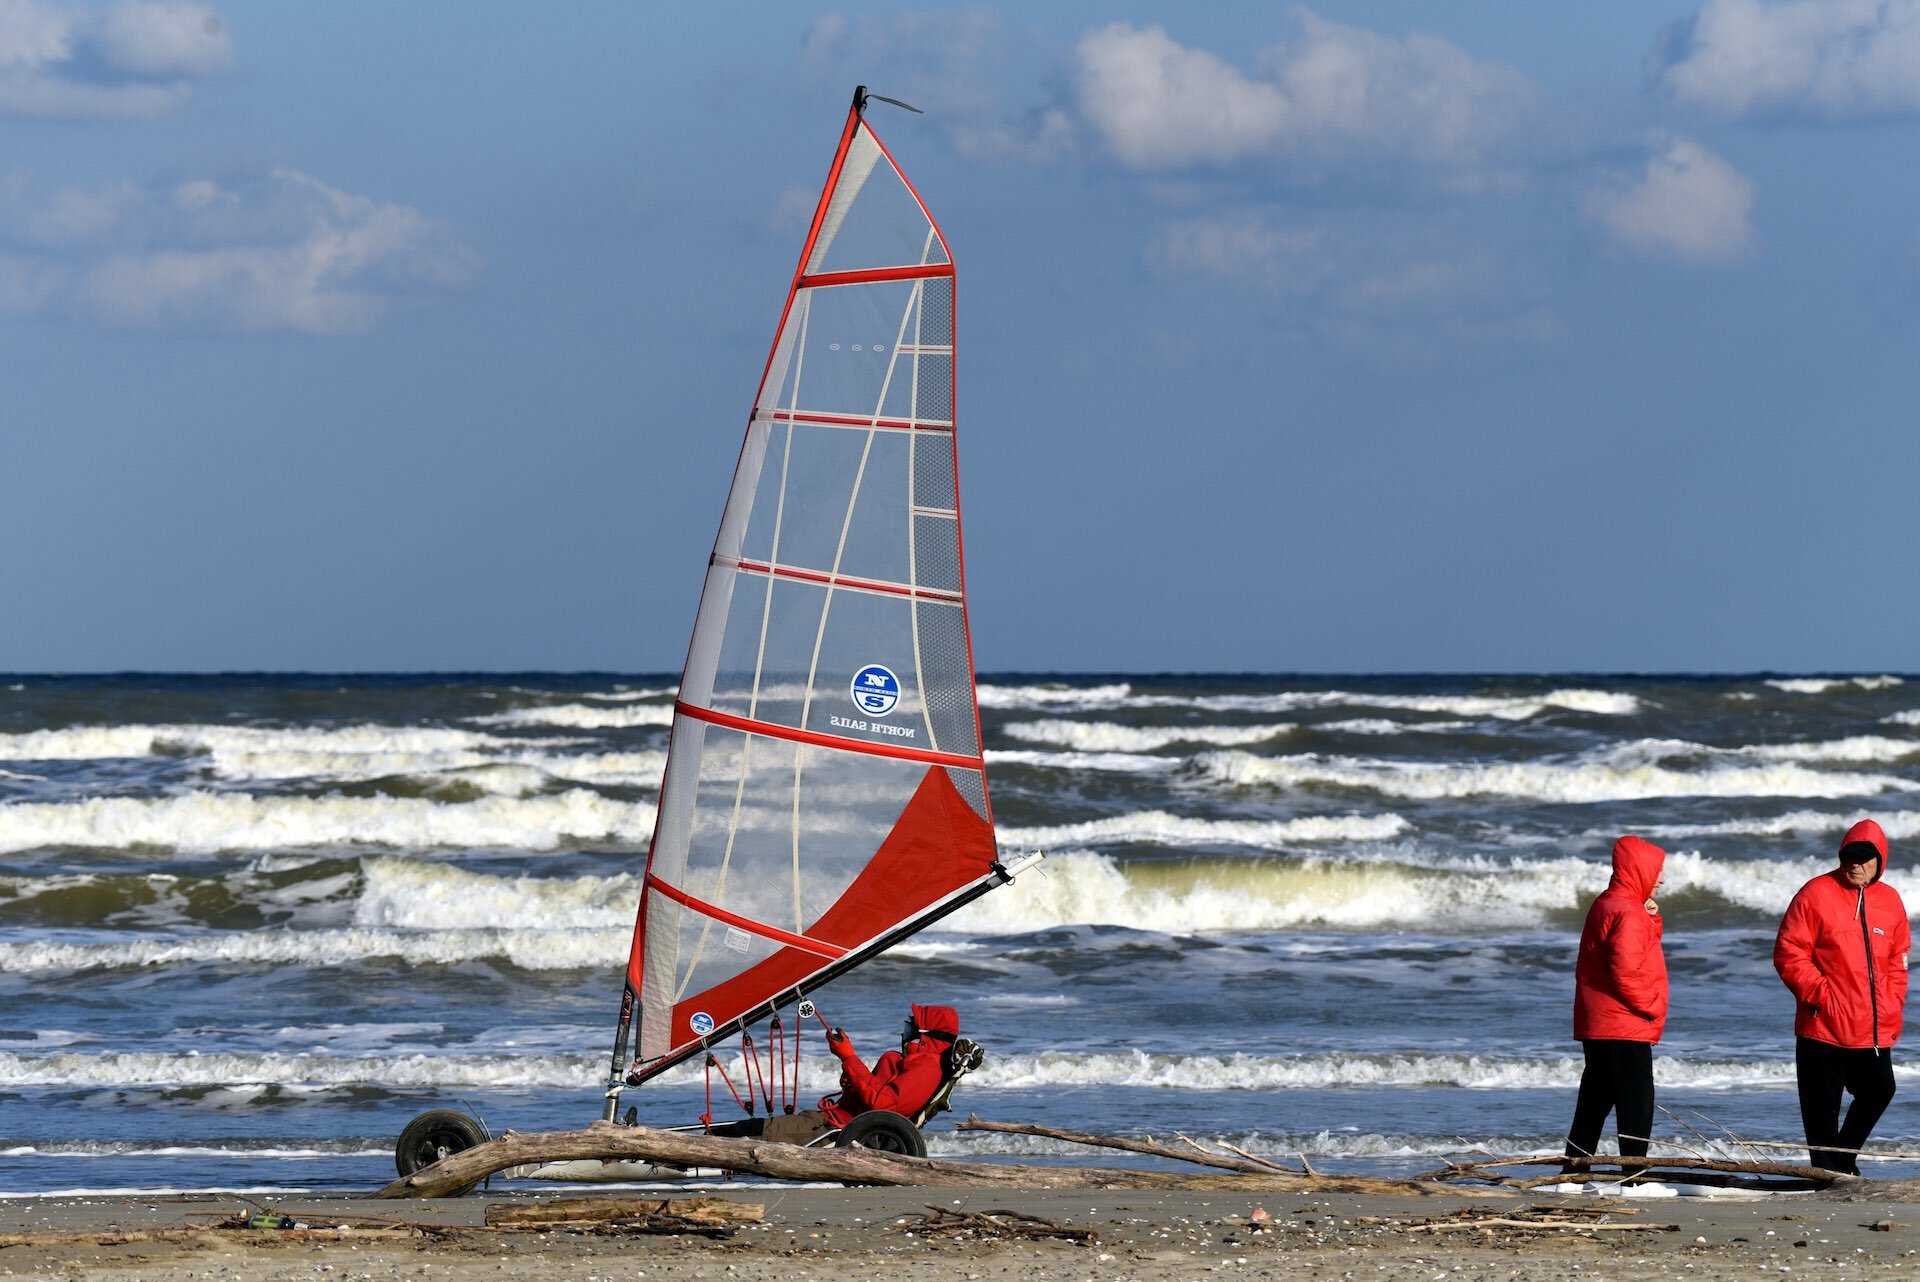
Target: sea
{"type": "Point", "coordinates": [250, 925]}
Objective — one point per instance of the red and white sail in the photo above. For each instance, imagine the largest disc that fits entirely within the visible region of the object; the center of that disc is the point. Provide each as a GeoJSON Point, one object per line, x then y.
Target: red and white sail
{"type": "Point", "coordinates": [825, 792]}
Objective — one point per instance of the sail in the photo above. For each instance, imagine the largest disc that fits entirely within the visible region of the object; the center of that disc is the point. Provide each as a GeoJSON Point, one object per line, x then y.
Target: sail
{"type": "Point", "coordinates": [825, 792]}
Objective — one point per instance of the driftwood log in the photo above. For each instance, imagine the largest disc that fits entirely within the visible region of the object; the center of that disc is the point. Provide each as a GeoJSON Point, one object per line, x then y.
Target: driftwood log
{"type": "Point", "coordinates": [605, 1141]}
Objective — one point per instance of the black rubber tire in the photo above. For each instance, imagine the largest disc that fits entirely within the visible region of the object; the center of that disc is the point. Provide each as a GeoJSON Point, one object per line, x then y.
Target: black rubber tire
{"type": "Point", "coordinates": [883, 1132]}
{"type": "Point", "coordinates": [431, 1136]}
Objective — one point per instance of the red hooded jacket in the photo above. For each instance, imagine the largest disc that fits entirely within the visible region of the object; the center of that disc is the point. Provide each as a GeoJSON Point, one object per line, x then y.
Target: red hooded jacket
{"type": "Point", "coordinates": [1843, 951]}
{"type": "Point", "coordinates": [898, 1083]}
{"type": "Point", "coordinates": [1620, 979]}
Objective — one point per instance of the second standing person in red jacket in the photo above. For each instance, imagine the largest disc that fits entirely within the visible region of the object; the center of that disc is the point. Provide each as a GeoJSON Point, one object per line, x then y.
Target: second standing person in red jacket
{"type": "Point", "coordinates": [1620, 1003]}
{"type": "Point", "coordinates": [1842, 949]}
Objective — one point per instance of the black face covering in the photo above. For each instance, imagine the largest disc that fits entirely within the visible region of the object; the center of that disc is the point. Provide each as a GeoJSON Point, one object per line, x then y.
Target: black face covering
{"type": "Point", "coordinates": [909, 1034]}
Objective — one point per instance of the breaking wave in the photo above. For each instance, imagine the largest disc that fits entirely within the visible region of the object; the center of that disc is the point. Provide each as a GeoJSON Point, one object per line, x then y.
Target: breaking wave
{"type": "Point", "coordinates": [1050, 1070]}
{"type": "Point", "coordinates": [1499, 707]}
{"type": "Point", "coordinates": [1160, 828]}
{"type": "Point", "coordinates": [1563, 783]}
{"type": "Point", "coordinates": [604, 947]}
{"type": "Point", "coordinates": [1107, 736]}
{"type": "Point", "coordinates": [1392, 888]}
{"type": "Point", "coordinates": [580, 716]}
{"type": "Point", "coordinates": [204, 821]}
{"type": "Point", "coordinates": [1820, 685]}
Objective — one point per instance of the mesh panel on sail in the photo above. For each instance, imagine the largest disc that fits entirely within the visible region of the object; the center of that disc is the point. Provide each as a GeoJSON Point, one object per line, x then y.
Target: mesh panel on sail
{"type": "Point", "coordinates": [844, 358]}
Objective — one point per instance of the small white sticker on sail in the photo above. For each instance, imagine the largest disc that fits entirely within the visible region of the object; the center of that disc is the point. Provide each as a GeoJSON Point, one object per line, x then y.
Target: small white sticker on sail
{"type": "Point", "coordinates": [862, 153]}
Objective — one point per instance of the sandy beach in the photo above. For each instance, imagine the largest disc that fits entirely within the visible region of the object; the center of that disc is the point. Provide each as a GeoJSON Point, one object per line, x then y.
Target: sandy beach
{"type": "Point", "coordinates": [873, 1233]}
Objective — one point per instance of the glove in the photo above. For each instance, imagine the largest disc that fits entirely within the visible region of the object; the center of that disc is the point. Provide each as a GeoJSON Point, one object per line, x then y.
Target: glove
{"type": "Point", "coordinates": [840, 1044]}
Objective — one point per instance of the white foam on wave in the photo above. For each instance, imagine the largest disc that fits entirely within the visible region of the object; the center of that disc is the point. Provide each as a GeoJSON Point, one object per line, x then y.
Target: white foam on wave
{"type": "Point", "coordinates": [1900, 825]}
{"type": "Point", "coordinates": [602, 947]}
{"type": "Point", "coordinates": [1572, 782]}
{"type": "Point", "coordinates": [1047, 1070]}
{"type": "Point", "coordinates": [633, 696]}
{"type": "Point", "coordinates": [1052, 695]}
{"type": "Point", "coordinates": [511, 772]}
{"type": "Point", "coordinates": [1107, 736]}
{"type": "Point", "coordinates": [1820, 685]}
{"type": "Point", "coordinates": [1382, 726]}
{"type": "Point", "coordinates": [1499, 707]}
{"type": "Point", "coordinates": [1133, 763]}
{"type": "Point", "coordinates": [1157, 827]}
{"type": "Point", "coordinates": [361, 742]}
{"type": "Point", "coordinates": [1905, 717]}
{"type": "Point", "coordinates": [420, 894]}
{"type": "Point", "coordinates": [581, 716]}
{"type": "Point", "coordinates": [1393, 887]}
{"type": "Point", "coordinates": [1345, 1068]}
{"type": "Point", "coordinates": [206, 821]}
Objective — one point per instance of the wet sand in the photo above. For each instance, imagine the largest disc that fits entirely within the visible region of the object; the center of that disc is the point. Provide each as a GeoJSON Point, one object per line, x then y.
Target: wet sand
{"type": "Point", "coordinates": [832, 1233]}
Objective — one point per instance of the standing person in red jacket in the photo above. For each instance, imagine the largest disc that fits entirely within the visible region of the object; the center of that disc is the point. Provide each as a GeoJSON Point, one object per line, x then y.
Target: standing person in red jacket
{"type": "Point", "coordinates": [1842, 949]}
{"type": "Point", "coordinates": [1620, 1003]}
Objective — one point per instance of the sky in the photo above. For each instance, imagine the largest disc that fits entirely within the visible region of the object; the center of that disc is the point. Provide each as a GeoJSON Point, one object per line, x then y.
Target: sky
{"type": "Point", "coordinates": [1335, 337]}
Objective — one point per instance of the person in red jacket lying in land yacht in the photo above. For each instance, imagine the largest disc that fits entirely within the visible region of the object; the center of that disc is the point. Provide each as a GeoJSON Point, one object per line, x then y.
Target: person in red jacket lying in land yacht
{"type": "Point", "coordinates": [901, 1081]}
{"type": "Point", "coordinates": [1842, 950]}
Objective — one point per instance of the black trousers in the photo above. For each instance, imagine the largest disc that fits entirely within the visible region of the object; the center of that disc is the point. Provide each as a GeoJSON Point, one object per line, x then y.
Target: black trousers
{"type": "Point", "coordinates": [1823, 1071]}
{"type": "Point", "coordinates": [1618, 1079]}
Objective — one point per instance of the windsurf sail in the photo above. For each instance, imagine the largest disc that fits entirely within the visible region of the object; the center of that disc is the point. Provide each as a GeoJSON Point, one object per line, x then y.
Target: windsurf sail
{"type": "Point", "coordinates": [825, 793]}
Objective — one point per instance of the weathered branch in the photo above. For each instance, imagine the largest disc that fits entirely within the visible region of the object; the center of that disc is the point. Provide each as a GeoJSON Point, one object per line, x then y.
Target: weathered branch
{"type": "Point", "coordinates": [1197, 1155]}
{"type": "Point", "coordinates": [605, 1141]}
{"type": "Point", "coordinates": [1815, 1174]}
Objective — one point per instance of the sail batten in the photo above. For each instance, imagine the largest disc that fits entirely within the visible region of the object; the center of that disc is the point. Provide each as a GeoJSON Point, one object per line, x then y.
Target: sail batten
{"type": "Point", "coordinates": [825, 770]}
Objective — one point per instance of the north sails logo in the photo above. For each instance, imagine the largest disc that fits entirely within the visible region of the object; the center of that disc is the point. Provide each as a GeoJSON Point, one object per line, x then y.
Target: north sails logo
{"type": "Point", "coordinates": [875, 690]}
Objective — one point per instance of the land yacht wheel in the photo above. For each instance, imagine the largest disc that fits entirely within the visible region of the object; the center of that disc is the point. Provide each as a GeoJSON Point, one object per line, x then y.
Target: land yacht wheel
{"type": "Point", "coordinates": [883, 1132]}
{"type": "Point", "coordinates": [432, 1136]}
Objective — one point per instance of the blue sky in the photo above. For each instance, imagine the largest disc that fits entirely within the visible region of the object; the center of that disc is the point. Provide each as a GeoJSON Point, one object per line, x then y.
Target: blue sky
{"type": "Point", "coordinates": [1333, 337]}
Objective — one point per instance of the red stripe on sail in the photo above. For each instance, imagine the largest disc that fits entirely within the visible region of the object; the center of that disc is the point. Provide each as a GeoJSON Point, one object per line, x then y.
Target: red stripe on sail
{"type": "Point", "coordinates": [853, 420]}
{"type": "Point", "coordinates": [794, 735]}
{"type": "Point", "coordinates": [937, 846]}
{"type": "Point", "coordinates": [747, 924]}
{"type": "Point", "coordinates": [846, 581]}
{"type": "Point", "coordinates": [872, 275]}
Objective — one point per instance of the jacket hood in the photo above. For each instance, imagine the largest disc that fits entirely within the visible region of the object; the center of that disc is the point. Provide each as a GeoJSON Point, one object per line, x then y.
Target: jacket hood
{"type": "Point", "coordinates": [941, 1021]}
{"type": "Point", "coordinates": [1636, 865]}
{"type": "Point", "coordinates": [1871, 833]}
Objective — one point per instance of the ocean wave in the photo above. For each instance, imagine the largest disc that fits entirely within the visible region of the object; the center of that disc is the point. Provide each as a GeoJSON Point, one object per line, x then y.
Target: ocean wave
{"type": "Point", "coordinates": [1498, 707]}
{"type": "Point", "coordinates": [1106, 736]}
{"type": "Point", "coordinates": [1555, 782]}
{"type": "Point", "coordinates": [421, 894]}
{"type": "Point", "coordinates": [1160, 828]}
{"type": "Point", "coordinates": [204, 821]}
{"type": "Point", "coordinates": [1052, 695]}
{"type": "Point", "coordinates": [602, 947]}
{"type": "Point", "coordinates": [1049, 1070]}
{"type": "Point", "coordinates": [1133, 763]}
{"type": "Point", "coordinates": [1900, 825]}
{"type": "Point", "coordinates": [1391, 888]}
{"type": "Point", "coordinates": [1820, 685]}
{"type": "Point", "coordinates": [580, 716]}
{"type": "Point", "coordinates": [1905, 717]}
{"type": "Point", "coordinates": [360, 742]}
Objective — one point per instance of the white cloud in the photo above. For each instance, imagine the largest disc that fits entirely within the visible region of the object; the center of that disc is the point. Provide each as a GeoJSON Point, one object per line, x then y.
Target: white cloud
{"type": "Point", "coordinates": [164, 38]}
{"type": "Point", "coordinates": [1687, 204]}
{"type": "Point", "coordinates": [1831, 59]}
{"type": "Point", "coordinates": [1336, 93]}
{"type": "Point", "coordinates": [277, 251]}
{"type": "Point", "coordinates": [132, 59]}
{"type": "Point", "coordinates": [1385, 284]}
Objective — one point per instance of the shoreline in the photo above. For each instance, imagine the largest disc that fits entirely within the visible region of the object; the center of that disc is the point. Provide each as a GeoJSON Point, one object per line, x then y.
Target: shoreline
{"type": "Point", "coordinates": [871, 1233]}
